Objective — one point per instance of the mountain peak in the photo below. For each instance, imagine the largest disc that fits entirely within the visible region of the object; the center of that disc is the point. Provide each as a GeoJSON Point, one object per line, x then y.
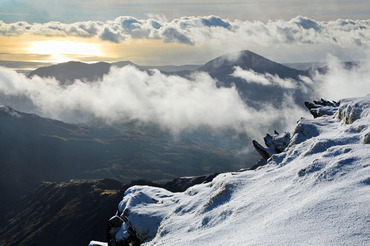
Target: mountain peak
{"type": "Point", "coordinates": [247, 60]}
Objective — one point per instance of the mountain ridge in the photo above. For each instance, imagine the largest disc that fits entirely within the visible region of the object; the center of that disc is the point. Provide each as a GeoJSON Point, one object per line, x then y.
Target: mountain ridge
{"type": "Point", "coordinates": [313, 190]}
{"type": "Point", "coordinates": [220, 65]}
{"type": "Point", "coordinates": [35, 149]}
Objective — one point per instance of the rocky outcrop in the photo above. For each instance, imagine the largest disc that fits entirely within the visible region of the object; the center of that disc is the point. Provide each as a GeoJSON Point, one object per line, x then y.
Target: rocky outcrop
{"type": "Point", "coordinates": [322, 107]}
{"type": "Point", "coordinates": [120, 230]}
{"type": "Point", "coordinates": [277, 143]}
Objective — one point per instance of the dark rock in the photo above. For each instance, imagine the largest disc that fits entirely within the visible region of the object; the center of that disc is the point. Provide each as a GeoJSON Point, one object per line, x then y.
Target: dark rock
{"type": "Point", "coordinates": [115, 221]}
{"type": "Point", "coordinates": [261, 150]}
{"type": "Point", "coordinates": [322, 107]}
{"type": "Point", "coordinates": [275, 144]}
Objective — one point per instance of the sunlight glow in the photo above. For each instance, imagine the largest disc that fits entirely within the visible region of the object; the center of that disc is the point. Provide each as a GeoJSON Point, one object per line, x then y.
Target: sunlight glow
{"type": "Point", "coordinates": [62, 51]}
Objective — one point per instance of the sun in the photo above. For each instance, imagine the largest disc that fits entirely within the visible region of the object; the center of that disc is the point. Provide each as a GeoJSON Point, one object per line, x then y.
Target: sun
{"type": "Point", "coordinates": [63, 51]}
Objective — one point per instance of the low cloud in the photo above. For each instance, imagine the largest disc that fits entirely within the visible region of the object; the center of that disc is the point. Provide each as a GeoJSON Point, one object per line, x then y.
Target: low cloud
{"type": "Point", "coordinates": [266, 79]}
{"type": "Point", "coordinates": [343, 82]}
{"type": "Point", "coordinates": [127, 94]}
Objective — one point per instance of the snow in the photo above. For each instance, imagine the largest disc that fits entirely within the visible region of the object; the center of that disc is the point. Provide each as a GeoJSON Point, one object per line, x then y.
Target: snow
{"type": "Point", "coordinates": [316, 192]}
{"type": "Point", "coordinates": [97, 243]}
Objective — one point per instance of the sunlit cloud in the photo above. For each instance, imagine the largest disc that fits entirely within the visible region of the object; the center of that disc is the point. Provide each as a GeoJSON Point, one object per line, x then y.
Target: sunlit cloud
{"type": "Point", "coordinates": [196, 30]}
{"type": "Point", "coordinates": [300, 37]}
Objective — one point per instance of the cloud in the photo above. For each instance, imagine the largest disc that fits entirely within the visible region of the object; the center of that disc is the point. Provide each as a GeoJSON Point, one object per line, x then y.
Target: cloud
{"type": "Point", "coordinates": [127, 94]}
{"type": "Point", "coordinates": [343, 82]}
{"type": "Point", "coordinates": [197, 30]}
{"type": "Point", "coordinates": [267, 79]}
{"type": "Point", "coordinates": [109, 35]}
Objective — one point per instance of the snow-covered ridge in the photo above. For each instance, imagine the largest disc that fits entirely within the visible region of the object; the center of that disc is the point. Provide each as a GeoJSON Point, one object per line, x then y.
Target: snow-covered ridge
{"type": "Point", "coordinates": [314, 192]}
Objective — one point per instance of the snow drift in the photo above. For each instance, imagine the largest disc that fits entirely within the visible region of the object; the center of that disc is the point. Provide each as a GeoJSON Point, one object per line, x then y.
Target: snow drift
{"type": "Point", "coordinates": [315, 192]}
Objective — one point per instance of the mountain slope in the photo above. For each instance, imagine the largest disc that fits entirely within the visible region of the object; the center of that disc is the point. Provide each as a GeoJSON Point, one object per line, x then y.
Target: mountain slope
{"type": "Point", "coordinates": [315, 192]}
{"type": "Point", "coordinates": [59, 214]}
{"type": "Point", "coordinates": [35, 149]}
{"type": "Point", "coordinates": [67, 208]}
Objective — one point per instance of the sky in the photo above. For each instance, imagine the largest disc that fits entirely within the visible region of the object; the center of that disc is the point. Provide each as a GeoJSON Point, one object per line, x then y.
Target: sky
{"type": "Point", "coordinates": [182, 32]}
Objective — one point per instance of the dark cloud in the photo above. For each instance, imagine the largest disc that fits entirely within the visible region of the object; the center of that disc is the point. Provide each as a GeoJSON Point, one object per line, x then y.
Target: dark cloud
{"type": "Point", "coordinates": [172, 35]}
{"type": "Point", "coordinates": [214, 21]}
{"type": "Point", "coordinates": [109, 35]}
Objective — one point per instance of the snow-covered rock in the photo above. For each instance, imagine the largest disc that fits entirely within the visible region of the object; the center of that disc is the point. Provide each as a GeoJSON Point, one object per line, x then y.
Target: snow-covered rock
{"type": "Point", "coordinates": [97, 243]}
{"type": "Point", "coordinates": [315, 192]}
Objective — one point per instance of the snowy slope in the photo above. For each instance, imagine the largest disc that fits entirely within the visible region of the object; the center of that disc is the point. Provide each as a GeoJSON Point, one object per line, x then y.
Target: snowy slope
{"type": "Point", "coordinates": [316, 192]}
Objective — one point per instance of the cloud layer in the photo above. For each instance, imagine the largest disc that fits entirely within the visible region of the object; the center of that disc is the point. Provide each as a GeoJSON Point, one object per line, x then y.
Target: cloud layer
{"type": "Point", "coordinates": [198, 30]}
{"type": "Point", "coordinates": [266, 79]}
{"type": "Point", "coordinates": [127, 94]}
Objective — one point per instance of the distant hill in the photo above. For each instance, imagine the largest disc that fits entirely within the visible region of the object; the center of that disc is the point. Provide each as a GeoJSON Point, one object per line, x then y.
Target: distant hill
{"type": "Point", "coordinates": [70, 71]}
{"type": "Point", "coordinates": [221, 67]}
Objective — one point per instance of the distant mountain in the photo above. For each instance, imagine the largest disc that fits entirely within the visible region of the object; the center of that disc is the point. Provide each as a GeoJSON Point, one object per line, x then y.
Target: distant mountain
{"type": "Point", "coordinates": [163, 69]}
{"type": "Point", "coordinates": [256, 94]}
{"type": "Point", "coordinates": [221, 67]}
{"type": "Point", "coordinates": [70, 71]}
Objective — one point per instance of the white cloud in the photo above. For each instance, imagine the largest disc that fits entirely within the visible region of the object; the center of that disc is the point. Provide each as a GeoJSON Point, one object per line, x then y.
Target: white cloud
{"type": "Point", "coordinates": [340, 82]}
{"type": "Point", "coordinates": [196, 30]}
{"type": "Point", "coordinates": [127, 94]}
{"type": "Point", "coordinates": [251, 76]}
